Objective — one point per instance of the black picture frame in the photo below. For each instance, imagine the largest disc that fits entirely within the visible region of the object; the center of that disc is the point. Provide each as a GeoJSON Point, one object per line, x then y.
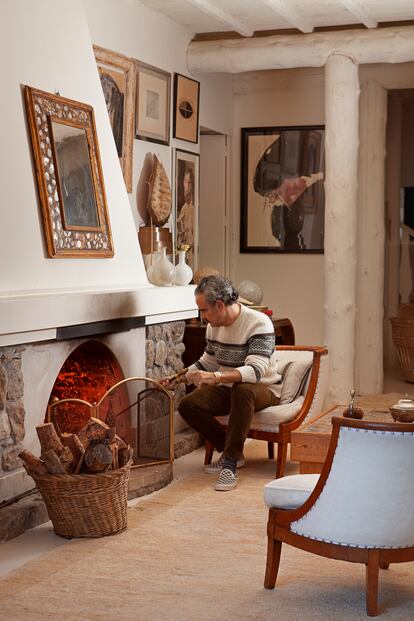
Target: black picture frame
{"type": "Point", "coordinates": [186, 108]}
{"type": "Point", "coordinates": [282, 192]}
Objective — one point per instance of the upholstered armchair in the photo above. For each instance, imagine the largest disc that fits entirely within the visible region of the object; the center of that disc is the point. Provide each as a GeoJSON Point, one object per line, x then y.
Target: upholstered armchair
{"type": "Point", "coordinates": [304, 373]}
{"type": "Point", "coordinates": [360, 508]}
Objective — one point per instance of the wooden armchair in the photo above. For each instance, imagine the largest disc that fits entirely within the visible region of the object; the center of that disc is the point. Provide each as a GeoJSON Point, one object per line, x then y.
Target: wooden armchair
{"type": "Point", "coordinates": [358, 510]}
{"type": "Point", "coordinates": [276, 423]}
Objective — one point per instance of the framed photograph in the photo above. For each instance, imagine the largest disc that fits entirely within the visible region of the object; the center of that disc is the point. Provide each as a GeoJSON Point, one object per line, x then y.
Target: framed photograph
{"type": "Point", "coordinates": [186, 204]}
{"type": "Point", "coordinates": [117, 73]}
{"type": "Point", "coordinates": [69, 176]}
{"type": "Point", "coordinates": [153, 103]}
{"type": "Point", "coordinates": [282, 191]}
{"type": "Point", "coordinates": [186, 108]}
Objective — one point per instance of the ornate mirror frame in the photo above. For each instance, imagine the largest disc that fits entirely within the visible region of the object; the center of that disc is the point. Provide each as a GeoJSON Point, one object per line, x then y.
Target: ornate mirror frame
{"type": "Point", "coordinates": [69, 176]}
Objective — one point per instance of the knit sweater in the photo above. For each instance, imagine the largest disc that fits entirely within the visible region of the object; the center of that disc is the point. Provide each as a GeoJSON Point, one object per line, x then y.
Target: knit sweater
{"type": "Point", "coordinates": [247, 345]}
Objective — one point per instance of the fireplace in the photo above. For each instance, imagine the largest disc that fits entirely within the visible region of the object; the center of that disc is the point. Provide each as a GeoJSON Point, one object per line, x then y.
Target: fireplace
{"type": "Point", "coordinates": [87, 374]}
{"type": "Point", "coordinates": [139, 409]}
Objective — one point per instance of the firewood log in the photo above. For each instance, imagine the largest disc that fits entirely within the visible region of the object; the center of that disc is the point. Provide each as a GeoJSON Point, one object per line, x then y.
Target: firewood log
{"type": "Point", "coordinates": [121, 443]}
{"type": "Point", "coordinates": [124, 455]}
{"type": "Point", "coordinates": [48, 437]}
{"type": "Point", "coordinates": [76, 447]}
{"type": "Point", "coordinates": [114, 450]}
{"type": "Point", "coordinates": [95, 430]}
{"type": "Point", "coordinates": [97, 458]}
{"type": "Point", "coordinates": [32, 463]}
{"type": "Point", "coordinates": [52, 462]}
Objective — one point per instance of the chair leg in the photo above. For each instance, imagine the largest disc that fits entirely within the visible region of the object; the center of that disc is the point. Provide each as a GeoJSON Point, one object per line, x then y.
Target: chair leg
{"type": "Point", "coordinates": [271, 450]}
{"type": "Point", "coordinates": [274, 549]}
{"type": "Point", "coordinates": [209, 452]}
{"type": "Point", "coordinates": [281, 459]}
{"type": "Point", "coordinates": [372, 571]}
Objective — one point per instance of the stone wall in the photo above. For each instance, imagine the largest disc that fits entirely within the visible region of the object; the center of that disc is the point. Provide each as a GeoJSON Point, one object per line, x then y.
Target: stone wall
{"type": "Point", "coordinates": [11, 408]}
{"type": "Point", "coordinates": [164, 348]}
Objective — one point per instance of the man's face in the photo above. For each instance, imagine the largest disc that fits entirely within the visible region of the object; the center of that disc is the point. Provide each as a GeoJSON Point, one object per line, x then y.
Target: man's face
{"type": "Point", "coordinates": [213, 313]}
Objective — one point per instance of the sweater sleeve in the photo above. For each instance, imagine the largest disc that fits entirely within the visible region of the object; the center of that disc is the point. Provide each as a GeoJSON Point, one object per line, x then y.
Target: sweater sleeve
{"type": "Point", "coordinates": [260, 348]}
{"type": "Point", "coordinates": [207, 362]}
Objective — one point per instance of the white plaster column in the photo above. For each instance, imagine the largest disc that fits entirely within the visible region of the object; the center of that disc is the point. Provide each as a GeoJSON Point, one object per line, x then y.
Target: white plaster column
{"type": "Point", "coordinates": [341, 114]}
{"type": "Point", "coordinates": [371, 233]}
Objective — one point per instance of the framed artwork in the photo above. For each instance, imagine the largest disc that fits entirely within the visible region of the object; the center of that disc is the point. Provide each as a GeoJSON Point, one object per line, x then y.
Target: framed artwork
{"type": "Point", "coordinates": [117, 74]}
{"type": "Point", "coordinates": [69, 176]}
{"type": "Point", "coordinates": [282, 191]}
{"type": "Point", "coordinates": [186, 204]}
{"type": "Point", "coordinates": [153, 102]}
{"type": "Point", "coordinates": [186, 108]}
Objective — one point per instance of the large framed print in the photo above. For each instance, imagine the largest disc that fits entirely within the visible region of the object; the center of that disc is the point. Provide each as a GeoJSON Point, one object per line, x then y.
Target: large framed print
{"type": "Point", "coordinates": [186, 108]}
{"type": "Point", "coordinates": [117, 74]}
{"type": "Point", "coordinates": [186, 204]}
{"type": "Point", "coordinates": [153, 102]}
{"type": "Point", "coordinates": [69, 176]}
{"type": "Point", "coordinates": [282, 191]}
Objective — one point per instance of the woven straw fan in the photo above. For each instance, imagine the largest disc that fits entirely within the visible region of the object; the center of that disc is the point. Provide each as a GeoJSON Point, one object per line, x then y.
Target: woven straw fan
{"type": "Point", "coordinates": [159, 196]}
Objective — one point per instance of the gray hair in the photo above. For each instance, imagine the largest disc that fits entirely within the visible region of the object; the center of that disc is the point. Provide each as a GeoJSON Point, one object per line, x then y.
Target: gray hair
{"type": "Point", "coordinates": [216, 288]}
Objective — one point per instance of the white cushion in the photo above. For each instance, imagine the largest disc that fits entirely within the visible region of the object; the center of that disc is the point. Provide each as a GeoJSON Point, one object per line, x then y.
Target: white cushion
{"type": "Point", "coordinates": [270, 418]}
{"type": "Point", "coordinates": [289, 492]}
{"type": "Point", "coordinates": [294, 379]}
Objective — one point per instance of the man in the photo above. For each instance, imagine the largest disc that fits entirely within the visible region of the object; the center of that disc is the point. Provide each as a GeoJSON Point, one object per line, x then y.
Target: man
{"type": "Point", "coordinates": [235, 375]}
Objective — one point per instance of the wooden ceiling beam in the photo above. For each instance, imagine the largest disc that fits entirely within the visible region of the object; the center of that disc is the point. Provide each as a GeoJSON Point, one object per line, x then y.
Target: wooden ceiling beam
{"type": "Point", "coordinates": [382, 45]}
{"type": "Point", "coordinates": [290, 14]}
{"type": "Point", "coordinates": [357, 9]}
{"type": "Point", "coordinates": [212, 10]}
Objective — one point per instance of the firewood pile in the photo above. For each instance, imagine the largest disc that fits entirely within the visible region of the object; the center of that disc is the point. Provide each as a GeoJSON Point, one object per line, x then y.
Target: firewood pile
{"type": "Point", "coordinates": [96, 448]}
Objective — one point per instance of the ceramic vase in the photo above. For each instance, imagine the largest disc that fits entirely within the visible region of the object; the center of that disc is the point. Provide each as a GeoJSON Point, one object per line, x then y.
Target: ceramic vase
{"type": "Point", "coordinates": [183, 272]}
{"type": "Point", "coordinates": [163, 271]}
{"type": "Point", "coordinates": [151, 274]}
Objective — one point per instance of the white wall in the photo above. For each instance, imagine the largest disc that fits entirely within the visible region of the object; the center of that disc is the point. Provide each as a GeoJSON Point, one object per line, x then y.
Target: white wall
{"type": "Point", "coordinates": [292, 283]}
{"type": "Point", "coordinates": [47, 46]}
{"type": "Point", "coordinates": [127, 27]}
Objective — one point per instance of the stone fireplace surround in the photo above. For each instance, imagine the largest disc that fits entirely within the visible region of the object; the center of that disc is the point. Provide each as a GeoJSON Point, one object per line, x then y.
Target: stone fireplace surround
{"type": "Point", "coordinates": [39, 332]}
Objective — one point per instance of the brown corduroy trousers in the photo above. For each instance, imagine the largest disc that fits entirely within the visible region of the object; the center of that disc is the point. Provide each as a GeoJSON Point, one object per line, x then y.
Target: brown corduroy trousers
{"type": "Point", "coordinates": [240, 401]}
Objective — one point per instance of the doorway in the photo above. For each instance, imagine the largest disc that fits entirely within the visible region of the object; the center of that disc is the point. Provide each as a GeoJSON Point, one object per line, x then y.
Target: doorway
{"type": "Point", "coordinates": [214, 229]}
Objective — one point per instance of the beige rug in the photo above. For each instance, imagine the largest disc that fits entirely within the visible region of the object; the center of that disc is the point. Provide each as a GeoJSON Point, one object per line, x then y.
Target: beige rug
{"type": "Point", "coordinates": [193, 554]}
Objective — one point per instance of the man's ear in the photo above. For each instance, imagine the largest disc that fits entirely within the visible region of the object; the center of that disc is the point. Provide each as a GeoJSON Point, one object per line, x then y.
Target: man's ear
{"type": "Point", "coordinates": [220, 305]}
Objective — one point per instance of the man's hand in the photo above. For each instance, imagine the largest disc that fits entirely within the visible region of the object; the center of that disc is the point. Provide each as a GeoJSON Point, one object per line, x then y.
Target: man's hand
{"type": "Point", "coordinates": [202, 378]}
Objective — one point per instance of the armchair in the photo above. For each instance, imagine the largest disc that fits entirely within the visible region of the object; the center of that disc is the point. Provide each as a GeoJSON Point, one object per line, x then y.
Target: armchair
{"type": "Point", "coordinates": [359, 509]}
{"type": "Point", "coordinates": [276, 423]}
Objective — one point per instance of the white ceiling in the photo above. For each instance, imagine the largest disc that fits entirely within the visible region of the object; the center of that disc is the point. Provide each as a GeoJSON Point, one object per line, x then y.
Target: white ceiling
{"type": "Point", "coordinates": [248, 16]}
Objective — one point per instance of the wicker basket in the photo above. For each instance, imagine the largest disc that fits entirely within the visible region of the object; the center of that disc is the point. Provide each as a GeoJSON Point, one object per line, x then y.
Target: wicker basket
{"type": "Point", "coordinates": [86, 505]}
{"type": "Point", "coordinates": [403, 337]}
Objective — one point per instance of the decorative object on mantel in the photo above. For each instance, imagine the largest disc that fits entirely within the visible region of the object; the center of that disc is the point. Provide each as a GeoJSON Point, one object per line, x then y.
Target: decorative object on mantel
{"type": "Point", "coordinates": [183, 272]}
{"type": "Point", "coordinates": [117, 73]}
{"type": "Point", "coordinates": [159, 197]}
{"type": "Point", "coordinates": [403, 411]}
{"type": "Point", "coordinates": [162, 271]}
{"type": "Point", "coordinates": [69, 176]}
{"type": "Point", "coordinates": [352, 411]}
{"type": "Point", "coordinates": [203, 272]}
{"type": "Point", "coordinates": [186, 108]}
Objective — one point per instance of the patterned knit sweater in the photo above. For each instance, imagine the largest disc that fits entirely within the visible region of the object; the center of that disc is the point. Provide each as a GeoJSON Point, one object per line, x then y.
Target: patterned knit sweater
{"type": "Point", "coordinates": [247, 345]}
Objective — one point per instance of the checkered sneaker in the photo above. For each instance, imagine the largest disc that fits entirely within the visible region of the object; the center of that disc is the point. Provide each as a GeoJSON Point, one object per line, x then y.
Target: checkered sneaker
{"type": "Point", "coordinates": [226, 481]}
{"type": "Point", "coordinates": [217, 465]}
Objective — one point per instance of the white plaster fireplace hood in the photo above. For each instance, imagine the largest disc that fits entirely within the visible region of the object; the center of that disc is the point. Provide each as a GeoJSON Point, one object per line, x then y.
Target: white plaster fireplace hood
{"type": "Point", "coordinates": [38, 295]}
